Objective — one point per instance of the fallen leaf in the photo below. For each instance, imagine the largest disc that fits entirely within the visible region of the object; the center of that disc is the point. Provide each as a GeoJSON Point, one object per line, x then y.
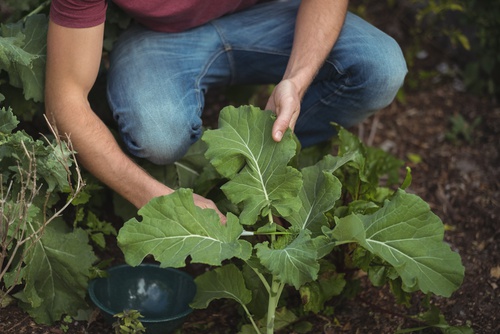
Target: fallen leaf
{"type": "Point", "coordinates": [495, 272]}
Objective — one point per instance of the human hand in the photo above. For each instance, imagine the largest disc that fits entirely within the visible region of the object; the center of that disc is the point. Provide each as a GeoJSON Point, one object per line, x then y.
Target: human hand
{"type": "Point", "coordinates": [285, 102]}
{"type": "Point", "coordinates": [205, 203]}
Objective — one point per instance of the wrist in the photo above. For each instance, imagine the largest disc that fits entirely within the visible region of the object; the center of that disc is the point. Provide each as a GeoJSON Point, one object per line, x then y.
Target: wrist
{"type": "Point", "coordinates": [152, 190]}
{"type": "Point", "coordinates": [300, 83]}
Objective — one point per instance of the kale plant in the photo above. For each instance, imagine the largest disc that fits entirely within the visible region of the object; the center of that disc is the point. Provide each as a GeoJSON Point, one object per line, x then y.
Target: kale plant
{"type": "Point", "coordinates": [289, 216]}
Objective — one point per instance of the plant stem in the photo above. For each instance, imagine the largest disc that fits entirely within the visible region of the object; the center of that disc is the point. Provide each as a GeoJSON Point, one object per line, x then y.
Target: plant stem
{"type": "Point", "coordinates": [270, 233]}
{"type": "Point", "coordinates": [249, 315]}
{"type": "Point", "coordinates": [37, 9]}
{"type": "Point", "coordinates": [263, 280]}
{"type": "Point", "coordinates": [274, 297]}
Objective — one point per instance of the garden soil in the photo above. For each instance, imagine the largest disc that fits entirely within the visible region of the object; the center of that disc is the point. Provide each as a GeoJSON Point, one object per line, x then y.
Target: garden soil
{"type": "Point", "coordinates": [455, 170]}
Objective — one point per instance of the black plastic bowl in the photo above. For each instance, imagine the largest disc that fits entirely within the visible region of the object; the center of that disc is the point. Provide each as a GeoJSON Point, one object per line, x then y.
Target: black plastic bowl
{"type": "Point", "coordinates": [161, 295]}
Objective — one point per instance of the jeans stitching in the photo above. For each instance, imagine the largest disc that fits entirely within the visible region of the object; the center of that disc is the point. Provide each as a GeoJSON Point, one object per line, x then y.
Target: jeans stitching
{"type": "Point", "coordinates": [226, 48]}
{"type": "Point", "coordinates": [306, 113]}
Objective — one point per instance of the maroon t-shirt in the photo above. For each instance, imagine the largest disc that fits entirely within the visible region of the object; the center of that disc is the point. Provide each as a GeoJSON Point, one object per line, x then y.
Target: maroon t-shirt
{"type": "Point", "coordinates": [159, 15]}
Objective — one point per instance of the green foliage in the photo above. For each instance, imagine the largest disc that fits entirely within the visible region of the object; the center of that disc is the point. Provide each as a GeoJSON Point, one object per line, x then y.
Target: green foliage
{"type": "Point", "coordinates": [432, 26]}
{"type": "Point", "coordinates": [65, 322]}
{"type": "Point", "coordinates": [464, 32]}
{"type": "Point", "coordinates": [433, 318]}
{"type": "Point", "coordinates": [482, 75]}
{"type": "Point", "coordinates": [47, 261]}
{"type": "Point", "coordinates": [432, 15]}
{"type": "Point", "coordinates": [116, 21]}
{"type": "Point", "coordinates": [22, 55]}
{"type": "Point", "coordinates": [57, 274]}
{"type": "Point", "coordinates": [259, 176]}
{"type": "Point", "coordinates": [128, 322]}
{"type": "Point", "coordinates": [408, 236]}
{"type": "Point", "coordinates": [294, 264]}
{"type": "Point", "coordinates": [330, 283]}
{"type": "Point", "coordinates": [323, 200]}
{"type": "Point", "coordinates": [224, 282]}
{"type": "Point", "coordinates": [461, 129]}
{"type": "Point", "coordinates": [96, 229]}
{"type": "Point", "coordinates": [198, 233]}
{"type": "Point", "coordinates": [472, 25]}
{"type": "Point", "coordinates": [18, 9]}
{"type": "Point", "coordinates": [338, 200]}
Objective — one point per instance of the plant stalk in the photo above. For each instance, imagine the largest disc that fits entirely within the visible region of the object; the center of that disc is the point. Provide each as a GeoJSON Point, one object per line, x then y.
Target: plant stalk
{"type": "Point", "coordinates": [250, 316]}
{"type": "Point", "coordinates": [38, 9]}
{"type": "Point", "coordinates": [274, 297]}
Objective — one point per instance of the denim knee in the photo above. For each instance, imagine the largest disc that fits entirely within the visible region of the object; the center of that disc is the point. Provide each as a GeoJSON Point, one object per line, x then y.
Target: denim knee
{"type": "Point", "coordinates": [361, 78]}
{"type": "Point", "coordinates": [162, 144]}
{"type": "Point", "coordinates": [381, 74]}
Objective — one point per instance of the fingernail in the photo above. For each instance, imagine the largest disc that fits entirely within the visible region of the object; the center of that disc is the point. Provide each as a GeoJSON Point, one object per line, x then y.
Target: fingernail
{"type": "Point", "coordinates": [278, 135]}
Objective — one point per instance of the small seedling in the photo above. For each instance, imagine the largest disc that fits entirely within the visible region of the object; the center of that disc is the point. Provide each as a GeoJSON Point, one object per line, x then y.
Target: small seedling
{"type": "Point", "coordinates": [128, 322]}
{"type": "Point", "coordinates": [66, 321]}
{"type": "Point", "coordinates": [461, 129]}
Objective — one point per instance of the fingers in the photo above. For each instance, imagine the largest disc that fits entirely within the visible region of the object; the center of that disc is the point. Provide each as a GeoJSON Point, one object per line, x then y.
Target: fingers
{"type": "Point", "coordinates": [282, 123]}
{"type": "Point", "coordinates": [204, 203]}
{"type": "Point", "coordinates": [286, 119]}
{"type": "Point", "coordinates": [285, 102]}
{"type": "Point", "coordinates": [270, 103]}
{"type": "Point", "coordinates": [223, 219]}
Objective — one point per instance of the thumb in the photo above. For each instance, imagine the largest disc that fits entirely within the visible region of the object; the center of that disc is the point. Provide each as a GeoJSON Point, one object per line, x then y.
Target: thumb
{"type": "Point", "coordinates": [279, 127]}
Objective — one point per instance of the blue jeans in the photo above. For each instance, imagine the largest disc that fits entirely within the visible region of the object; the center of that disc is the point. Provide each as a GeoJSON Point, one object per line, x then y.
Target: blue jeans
{"type": "Point", "coordinates": [157, 81]}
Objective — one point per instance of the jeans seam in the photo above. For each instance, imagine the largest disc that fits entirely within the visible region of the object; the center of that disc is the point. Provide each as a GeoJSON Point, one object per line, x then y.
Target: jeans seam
{"type": "Point", "coordinates": [227, 48]}
{"type": "Point", "coordinates": [322, 100]}
{"type": "Point", "coordinates": [344, 73]}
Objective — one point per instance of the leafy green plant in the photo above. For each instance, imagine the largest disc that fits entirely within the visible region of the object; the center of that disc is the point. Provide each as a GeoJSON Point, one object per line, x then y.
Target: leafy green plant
{"type": "Point", "coordinates": [461, 129]}
{"type": "Point", "coordinates": [433, 318]}
{"type": "Point", "coordinates": [434, 12]}
{"type": "Point", "coordinates": [430, 28]}
{"type": "Point", "coordinates": [290, 219]}
{"type": "Point", "coordinates": [40, 256]}
{"type": "Point", "coordinates": [482, 72]}
{"type": "Point", "coordinates": [22, 55]}
{"type": "Point", "coordinates": [97, 229]}
{"type": "Point", "coordinates": [44, 258]}
{"type": "Point", "coordinates": [128, 322]}
{"type": "Point", "coordinates": [66, 321]}
{"type": "Point", "coordinates": [426, 25]}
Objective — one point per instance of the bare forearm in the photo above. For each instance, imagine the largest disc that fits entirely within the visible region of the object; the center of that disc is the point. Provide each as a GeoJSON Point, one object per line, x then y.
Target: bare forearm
{"type": "Point", "coordinates": [100, 154]}
{"type": "Point", "coordinates": [318, 26]}
{"type": "Point", "coordinates": [73, 58]}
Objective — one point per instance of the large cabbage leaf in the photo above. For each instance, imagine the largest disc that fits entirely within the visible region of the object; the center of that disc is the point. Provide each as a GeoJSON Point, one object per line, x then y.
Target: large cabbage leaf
{"type": "Point", "coordinates": [173, 228]}
{"type": "Point", "coordinates": [57, 274]}
{"type": "Point", "coordinates": [320, 192]}
{"type": "Point", "coordinates": [295, 264]}
{"type": "Point", "coordinates": [242, 149]}
{"type": "Point", "coordinates": [224, 282]}
{"type": "Point", "coordinates": [406, 234]}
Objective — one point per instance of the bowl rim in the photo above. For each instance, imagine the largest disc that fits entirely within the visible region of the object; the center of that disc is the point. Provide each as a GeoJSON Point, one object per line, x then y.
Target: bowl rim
{"type": "Point", "coordinates": [102, 307]}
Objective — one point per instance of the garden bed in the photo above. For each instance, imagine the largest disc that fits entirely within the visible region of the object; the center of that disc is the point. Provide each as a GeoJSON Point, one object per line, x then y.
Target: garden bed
{"type": "Point", "coordinates": [459, 178]}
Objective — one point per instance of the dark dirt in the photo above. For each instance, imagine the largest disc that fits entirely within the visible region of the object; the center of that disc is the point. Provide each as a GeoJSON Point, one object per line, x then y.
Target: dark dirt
{"type": "Point", "coordinates": [458, 177]}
